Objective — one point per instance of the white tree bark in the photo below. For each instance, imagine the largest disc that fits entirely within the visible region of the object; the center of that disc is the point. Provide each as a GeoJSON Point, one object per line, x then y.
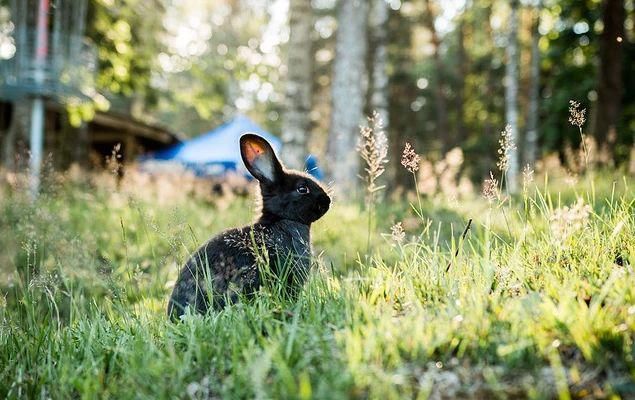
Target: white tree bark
{"type": "Point", "coordinates": [348, 93]}
{"type": "Point", "coordinates": [531, 138]}
{"type": "Point", "coordinates": [511, 97]}
{"type": "Point", "coordinates": [379, 79]}
{"type": "Point", "coordinates": [296, 124]}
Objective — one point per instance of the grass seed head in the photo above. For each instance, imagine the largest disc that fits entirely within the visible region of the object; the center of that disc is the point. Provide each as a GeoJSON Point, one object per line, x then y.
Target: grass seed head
{"type": "Point", "coordinates": [373, 148]}
{"type": "Point", "coordinates": [397, 233]}
{"type": "Point", "coordinates": [528, 176]}
{"type": "Point", "coordinates": [577, 115]}
{"type": "Point", "coordinates": [566, 221]}
{"type": "Point", "coordinates": [490, 188]}
{"type": "Point", "coordinates": [113, 162]}
{"type": "Point", "coordinates": [506, 145]}
{"type": "Point", "coordinates": [410, 159]}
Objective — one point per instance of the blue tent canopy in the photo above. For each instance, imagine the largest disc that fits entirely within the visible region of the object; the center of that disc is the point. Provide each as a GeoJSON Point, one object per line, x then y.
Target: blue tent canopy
{"type": "Point", "coordinates": [217, 151]}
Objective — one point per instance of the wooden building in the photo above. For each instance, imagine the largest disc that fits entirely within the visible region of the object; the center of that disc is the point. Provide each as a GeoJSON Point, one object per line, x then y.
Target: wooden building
{"type": "Point", "coordinates": [88, 145]}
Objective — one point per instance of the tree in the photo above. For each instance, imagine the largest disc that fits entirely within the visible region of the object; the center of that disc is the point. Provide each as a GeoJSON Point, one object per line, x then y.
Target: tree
{"type": "Point", "coordinates": [347, 90]}
{"type": "Point", "coordinates": [128, 38]}
{"type": "Point", "coordinates": [296, 124]}
{"type": "Point", "coordinates": [402, 92]}
{"type": "Point", "coordinates": [511, 98]}
{"type": "Point", "coordinates": [379, 77]}
{"type": "Point", "coordinates": [610, 73]}
{"type": "Point", "coordinates": [443, 125]}
{"type": "Point", "coordinates": [220, 58]}
{"type": "Point", "coordinates": [531, 137]}
{"type": "Point", "coordinates": [461, 58]}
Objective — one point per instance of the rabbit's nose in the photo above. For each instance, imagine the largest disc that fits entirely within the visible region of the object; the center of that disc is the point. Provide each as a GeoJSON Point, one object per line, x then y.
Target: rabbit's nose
{"type": "Point", "coordinates": [325, 202]}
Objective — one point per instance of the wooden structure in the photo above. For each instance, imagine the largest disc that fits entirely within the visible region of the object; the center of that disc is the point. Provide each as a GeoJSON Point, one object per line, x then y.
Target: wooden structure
{"type": "Point", "coordinates": [95, 140]}
{"type": "Point", "coordinates": [106, 130]}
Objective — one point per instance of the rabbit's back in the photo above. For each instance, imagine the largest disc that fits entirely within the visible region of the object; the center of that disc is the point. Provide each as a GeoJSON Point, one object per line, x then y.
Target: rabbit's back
{"type": "Point", "coordinates": [224, 263]}
{"type": "Point", "coordinates": [227, 265]}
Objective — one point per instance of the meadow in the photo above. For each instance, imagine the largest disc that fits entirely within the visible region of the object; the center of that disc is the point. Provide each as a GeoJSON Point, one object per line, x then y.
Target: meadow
{"type": "Point", "coordinates": [536, 300]}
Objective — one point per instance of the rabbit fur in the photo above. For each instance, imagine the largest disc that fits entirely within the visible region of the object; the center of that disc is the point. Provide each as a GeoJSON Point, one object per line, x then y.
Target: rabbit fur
{"type": "Point", "coordinates": [227, 266]}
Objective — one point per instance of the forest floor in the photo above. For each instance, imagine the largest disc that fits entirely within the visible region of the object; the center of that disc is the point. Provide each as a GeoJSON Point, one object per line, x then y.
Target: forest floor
{"type": "Point", "coordinates": [538, 303]}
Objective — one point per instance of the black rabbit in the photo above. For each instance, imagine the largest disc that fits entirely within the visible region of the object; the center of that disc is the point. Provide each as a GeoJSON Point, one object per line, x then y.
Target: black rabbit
{"type": "Point", "coordinates": [226, 267]}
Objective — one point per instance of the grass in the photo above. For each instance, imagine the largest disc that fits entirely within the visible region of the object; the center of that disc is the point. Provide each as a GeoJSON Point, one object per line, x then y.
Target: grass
{"type": "Point", "coordinates": [539, 303]}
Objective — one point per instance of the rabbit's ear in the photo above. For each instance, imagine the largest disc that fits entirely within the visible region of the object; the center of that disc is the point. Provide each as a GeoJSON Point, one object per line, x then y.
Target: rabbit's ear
{"type": "Point", "coordinates": [259, 158]}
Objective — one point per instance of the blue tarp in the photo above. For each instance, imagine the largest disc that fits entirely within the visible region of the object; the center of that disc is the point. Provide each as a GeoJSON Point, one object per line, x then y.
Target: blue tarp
{"type": "Point", "coordinates": [217, 151]}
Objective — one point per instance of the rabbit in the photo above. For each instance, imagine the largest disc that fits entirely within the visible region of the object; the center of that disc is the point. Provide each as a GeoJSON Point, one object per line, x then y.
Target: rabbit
{"type": "Point", "coordinates": [226, 267]}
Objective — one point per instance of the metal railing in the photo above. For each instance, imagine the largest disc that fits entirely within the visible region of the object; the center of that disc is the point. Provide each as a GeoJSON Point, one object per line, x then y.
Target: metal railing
{"type": "Point", "coordinates": [51, 57]}
{"type": "Point", "coordinates": [66, 70]}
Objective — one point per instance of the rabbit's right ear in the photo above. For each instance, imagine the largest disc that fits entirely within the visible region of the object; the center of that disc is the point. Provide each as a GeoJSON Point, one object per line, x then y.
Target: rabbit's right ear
{"type": "Point", "coordinates": [259, 158]}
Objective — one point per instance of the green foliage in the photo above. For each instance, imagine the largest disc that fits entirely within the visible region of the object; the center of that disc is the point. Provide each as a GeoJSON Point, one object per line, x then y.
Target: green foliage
{"type": "Point", "coordinates": [127, 33]}
{"type": "Point", "coordinates": [225, 64]}
{"type": "Point", "coordinates": [538, 303]}
{"type": "Point", "coordinates": [190, 65]}
{"type": "Point", "coordinates": [569, 51]}
{"type": "Point", "coordinates": [568, 57]}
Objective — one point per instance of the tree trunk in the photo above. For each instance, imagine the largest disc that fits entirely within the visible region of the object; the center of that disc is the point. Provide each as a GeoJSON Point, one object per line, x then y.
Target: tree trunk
{"type": "Point", "coordinates": [401, 93]}
{"type": "Point", "coordinates": [531, 138]}
{"type": "Point", "coordinates": [461, 133]}
{"type": "Point", "coordinates": [490, 76]}
{"type": "Point", "coordinates": [610, 74]}
{"type": "Point", "coordinates": [378, 21]}
{"type": "Point", "coordinates": [443, 131]}
{"type": "Point", "coordinates": [348, 90]}
{"type": "Point", "coordinates": [511, 97]}
{"type": "Point", "coordinates": [297, 122]}
{"type": "Point", "coordinates": [379, 79]}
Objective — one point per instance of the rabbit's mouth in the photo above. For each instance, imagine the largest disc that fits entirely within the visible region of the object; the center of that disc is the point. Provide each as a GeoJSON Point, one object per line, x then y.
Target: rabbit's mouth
{"type": "Point", "coordinates": [322, 209]}
{"type": "Point", "coordinates": [323, 205]}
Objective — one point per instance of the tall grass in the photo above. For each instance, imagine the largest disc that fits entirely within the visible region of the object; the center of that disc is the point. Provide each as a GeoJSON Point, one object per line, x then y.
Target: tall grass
{"type": "Point", "coordinates": [539, 302]}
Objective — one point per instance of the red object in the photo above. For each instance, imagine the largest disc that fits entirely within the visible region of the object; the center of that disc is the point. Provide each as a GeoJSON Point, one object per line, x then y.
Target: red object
{"type": "Point", "coordinates": [41, 49]}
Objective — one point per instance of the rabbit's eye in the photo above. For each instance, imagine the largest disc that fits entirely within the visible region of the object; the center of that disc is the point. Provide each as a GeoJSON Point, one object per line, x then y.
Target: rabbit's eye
{"type": "Point", "coordinates": [302, 189]}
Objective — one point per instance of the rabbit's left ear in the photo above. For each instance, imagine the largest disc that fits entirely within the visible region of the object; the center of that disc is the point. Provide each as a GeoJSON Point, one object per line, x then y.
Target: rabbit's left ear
{"type": "Point", "coordinates": [259, 158]}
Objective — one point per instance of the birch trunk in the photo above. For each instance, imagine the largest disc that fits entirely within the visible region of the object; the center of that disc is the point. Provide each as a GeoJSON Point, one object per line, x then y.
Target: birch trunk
{"type": "Point", "coordinates": [348, 93]}
{"type": "Point", "coordinates": [378, 26]}
{"type": "Point", "coordinates": [297, 123]}
{"type": "Point", "coordinates": [379, 79]}
{"type": "Point", "coordinates": [531, 138]}
{"type": "Point", "coordinates": [511, 97]}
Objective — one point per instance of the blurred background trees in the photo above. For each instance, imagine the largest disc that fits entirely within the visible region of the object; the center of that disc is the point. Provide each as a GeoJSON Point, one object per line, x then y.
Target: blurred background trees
{"type": "Point", "coordinates": [441, 74]}
{"type": "Point", "coordinates": [296, 121]}
{"type": "Point", "coordinates": [348, 90]}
